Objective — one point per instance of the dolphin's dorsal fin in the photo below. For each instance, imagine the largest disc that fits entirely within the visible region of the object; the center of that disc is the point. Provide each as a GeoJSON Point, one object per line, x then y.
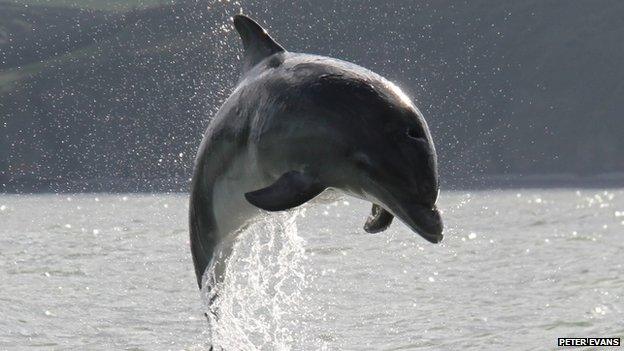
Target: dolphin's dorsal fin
{"type": "Point", "coordinates": [257, 43]}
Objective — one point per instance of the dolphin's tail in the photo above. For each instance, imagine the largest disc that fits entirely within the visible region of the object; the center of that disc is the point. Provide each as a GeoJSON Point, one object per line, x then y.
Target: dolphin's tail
{"type": "Point", "coordinates": [202, 229]}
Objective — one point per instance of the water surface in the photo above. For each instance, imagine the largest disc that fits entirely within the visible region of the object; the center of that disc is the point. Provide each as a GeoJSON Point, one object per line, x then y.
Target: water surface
{"type": "Point", "coordinates": [516, 270]}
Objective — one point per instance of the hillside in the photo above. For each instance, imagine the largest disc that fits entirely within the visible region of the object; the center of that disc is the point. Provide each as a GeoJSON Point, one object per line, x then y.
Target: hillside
{"type": "Point", "coordinates": [507, 87]}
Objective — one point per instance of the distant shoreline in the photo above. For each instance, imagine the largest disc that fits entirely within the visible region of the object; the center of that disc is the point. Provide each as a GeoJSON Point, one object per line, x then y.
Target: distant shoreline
{"type": "Point", "coordinates": [179, 185]}
{"type": "Point", "coordinates": [532, 181]}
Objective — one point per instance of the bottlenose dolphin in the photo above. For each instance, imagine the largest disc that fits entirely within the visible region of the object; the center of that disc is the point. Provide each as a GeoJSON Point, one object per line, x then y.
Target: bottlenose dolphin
{"type": "Point", "coordinates": [295, 125]}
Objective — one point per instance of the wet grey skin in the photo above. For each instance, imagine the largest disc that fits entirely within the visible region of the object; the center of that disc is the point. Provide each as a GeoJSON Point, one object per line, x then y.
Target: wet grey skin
{"type": "Point", "coordinates": [296, 125]}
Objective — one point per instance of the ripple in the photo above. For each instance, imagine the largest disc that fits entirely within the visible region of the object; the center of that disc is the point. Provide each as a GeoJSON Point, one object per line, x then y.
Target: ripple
{"type": "Point", "coordinates": [566, 324]}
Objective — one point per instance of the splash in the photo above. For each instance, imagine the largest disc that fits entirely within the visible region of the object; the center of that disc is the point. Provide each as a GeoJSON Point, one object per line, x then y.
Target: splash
{"type": "Point", "coordinates": [258, 305]}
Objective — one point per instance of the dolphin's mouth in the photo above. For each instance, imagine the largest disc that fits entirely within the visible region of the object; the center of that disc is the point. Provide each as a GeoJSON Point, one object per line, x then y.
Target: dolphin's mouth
{"type": "Point", "coordinates": [430, 237]}
{"type": "Point", "coordinates": [425, 221]}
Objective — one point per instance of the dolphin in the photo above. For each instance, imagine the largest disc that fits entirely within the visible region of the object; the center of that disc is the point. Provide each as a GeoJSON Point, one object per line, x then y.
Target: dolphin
{"type": "Point", "coordinates": [298, 124]}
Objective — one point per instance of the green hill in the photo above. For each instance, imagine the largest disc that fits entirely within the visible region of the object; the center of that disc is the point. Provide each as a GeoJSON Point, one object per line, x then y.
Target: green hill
{"type": "Point", "coordinates": [91, 98]}
{"type": "Point", "coordinates": [104, 5]}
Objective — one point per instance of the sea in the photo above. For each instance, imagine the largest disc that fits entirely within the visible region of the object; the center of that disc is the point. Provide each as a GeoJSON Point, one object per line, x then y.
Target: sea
{"type": "Point", "coordinates": [517, 270]}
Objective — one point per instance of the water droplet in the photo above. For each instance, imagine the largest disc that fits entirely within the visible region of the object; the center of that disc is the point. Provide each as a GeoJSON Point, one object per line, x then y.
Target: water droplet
{"type": "Point", "coordinates": [601, 310]}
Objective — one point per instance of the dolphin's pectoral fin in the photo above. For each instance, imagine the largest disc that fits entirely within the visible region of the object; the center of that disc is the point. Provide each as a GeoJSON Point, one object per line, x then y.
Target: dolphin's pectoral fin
{"type": "Point", "coordinates": [290, 190]}
{"type": "Point", "coordinates": [379, 220]}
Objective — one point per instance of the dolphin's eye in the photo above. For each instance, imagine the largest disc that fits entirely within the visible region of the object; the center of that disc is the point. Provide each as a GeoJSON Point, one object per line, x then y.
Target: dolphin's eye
{"type": "Point", "coordinates": [415, 133]}
{"type": "Point", "coordinates": [362, 161]}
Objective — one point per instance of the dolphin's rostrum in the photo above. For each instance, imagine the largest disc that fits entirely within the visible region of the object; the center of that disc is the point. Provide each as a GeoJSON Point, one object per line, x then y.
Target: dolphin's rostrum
{"type": "Point", "coordinates": [295, 125]}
